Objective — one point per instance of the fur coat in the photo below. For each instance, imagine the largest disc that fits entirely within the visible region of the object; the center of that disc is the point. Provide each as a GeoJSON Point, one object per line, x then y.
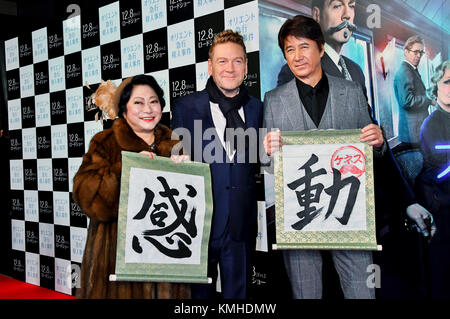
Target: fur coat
{"type": "Point", "coordinates": [96, 189]}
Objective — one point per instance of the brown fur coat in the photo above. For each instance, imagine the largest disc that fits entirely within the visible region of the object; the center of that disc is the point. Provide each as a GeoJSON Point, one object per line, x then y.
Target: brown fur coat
{"type": "Point", "coordinates": [96, 189]}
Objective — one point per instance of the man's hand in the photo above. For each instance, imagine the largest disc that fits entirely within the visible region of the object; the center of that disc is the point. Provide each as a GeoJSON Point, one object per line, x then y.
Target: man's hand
{"type": "Point", "coordinates": [272, 142]}
{"type": "Point", "coordinates": [418, 215]}
{"type": "Point", "coordinates": [373, 135]}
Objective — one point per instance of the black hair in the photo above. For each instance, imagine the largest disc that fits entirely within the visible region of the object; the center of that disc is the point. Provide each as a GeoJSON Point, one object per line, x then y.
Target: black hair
{"type": "Point", "coordinates": [139, 80]}
{"type": "Point", "coordinates": [301, 27]}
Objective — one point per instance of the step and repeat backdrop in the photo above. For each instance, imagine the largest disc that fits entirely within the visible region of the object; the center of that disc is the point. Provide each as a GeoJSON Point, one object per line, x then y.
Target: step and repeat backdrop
{"type": "Point", "coordinates": [50, 121]}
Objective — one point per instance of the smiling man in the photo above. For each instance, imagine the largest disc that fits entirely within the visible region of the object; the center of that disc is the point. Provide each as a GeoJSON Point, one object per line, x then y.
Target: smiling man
{"type": "Point", "coordinates": [223, 107]}
{"type": "Point", "coordinates": [336, 20]}
{"type": "Point", "coordinates": [315, 100]}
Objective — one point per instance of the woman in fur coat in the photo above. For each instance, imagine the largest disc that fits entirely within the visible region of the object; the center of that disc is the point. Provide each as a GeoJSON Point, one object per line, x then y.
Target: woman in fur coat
{"type": "Point", "coordinates": [138, 101]}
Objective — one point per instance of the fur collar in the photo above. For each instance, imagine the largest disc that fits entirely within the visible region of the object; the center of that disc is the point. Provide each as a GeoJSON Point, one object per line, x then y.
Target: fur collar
{"type": "Point", "coordinates": [129, 141]}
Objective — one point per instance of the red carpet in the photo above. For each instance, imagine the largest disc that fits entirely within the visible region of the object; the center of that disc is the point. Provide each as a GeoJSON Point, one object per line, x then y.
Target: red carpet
{"type": "Point", "coordinates": [15, 289]}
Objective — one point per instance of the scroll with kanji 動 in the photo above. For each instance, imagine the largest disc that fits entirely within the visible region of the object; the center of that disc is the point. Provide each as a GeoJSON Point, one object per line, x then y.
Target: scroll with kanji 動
{"type": "Point", "coordinates": [164, 220]}
{"type": "Point", "coordinates": [324, 193]}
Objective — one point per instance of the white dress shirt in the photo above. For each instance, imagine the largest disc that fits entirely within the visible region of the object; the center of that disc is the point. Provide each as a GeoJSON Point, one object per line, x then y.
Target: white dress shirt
{"type": "Point", "coordinates": [414, 67]}
{"type": "Point", "coordinates": [334, 56]}
{"type": "Point", "coordinates": [220, 123]}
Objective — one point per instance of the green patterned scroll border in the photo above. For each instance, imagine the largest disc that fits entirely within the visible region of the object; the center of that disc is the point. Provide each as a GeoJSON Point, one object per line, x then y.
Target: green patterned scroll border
{"type": "Point", "coordinates": [161, 272]}
{"type": "Point", "coordinates": [357, 240]}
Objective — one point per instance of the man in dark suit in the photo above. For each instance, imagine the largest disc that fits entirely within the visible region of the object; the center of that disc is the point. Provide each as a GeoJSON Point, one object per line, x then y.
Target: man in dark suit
{"type": "Point", "coordinates": [222, 108]}
{"type": "Point", "coordinates": [410, 93]}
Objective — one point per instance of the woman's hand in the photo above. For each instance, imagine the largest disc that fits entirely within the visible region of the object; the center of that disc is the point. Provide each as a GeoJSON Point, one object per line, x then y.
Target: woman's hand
{"type": "Point", "coordinates": [149, 154]}
{"type": "Point", "coordinates": [180, 158]}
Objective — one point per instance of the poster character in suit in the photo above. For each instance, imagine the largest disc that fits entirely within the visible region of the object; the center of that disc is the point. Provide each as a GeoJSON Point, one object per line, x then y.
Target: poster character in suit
{"type": "Point", "coordinates": [316, 100]}
{"type": "Point", "coordinates": [433, 182]}
{"type": "Point", "coordinates": [224, 107]}
{"type": "Point", "coordinates": [411, 94]}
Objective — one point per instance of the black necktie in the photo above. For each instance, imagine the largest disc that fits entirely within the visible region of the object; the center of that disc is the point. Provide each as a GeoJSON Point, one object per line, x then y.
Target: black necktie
{"type": "Point", "coordinates": [315, 107]}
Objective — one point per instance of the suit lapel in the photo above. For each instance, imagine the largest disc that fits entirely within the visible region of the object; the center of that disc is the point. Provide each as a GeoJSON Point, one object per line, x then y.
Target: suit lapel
{"type": "Point", "coordinates": [337, 97]}
{"type": "Point", "coordinates": [208, 123]}
{"type": "Point", "coordinates": [299, 118]}
{"type": "Point", "coordinates": [353, 71]}
{"type": "Point", "coordinates": [332, 69]}
{"type": "Point", "coordinates": [205, 111]}
{"type": "Point", "coordinates": [329, 67]}
{"type": "Point", "coordinates": [250, 119]}
{"type": "Point", "coordinates": [416, 74]}
{"type": "Point", "coordinates": [292, 104]}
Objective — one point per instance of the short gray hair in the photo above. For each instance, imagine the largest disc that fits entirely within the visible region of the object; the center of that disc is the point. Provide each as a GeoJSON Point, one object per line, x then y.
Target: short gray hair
{"type": "Point", "coordinates": [413, 40]}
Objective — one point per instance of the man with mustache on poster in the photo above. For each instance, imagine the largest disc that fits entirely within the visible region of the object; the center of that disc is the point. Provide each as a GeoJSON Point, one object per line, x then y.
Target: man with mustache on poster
{"type": "Point", "coordinates": [393, 195]}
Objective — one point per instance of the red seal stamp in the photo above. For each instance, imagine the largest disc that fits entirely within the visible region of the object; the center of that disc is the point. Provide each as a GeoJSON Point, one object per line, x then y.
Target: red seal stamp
{"type": "Point", "coordinates": [349, 160]}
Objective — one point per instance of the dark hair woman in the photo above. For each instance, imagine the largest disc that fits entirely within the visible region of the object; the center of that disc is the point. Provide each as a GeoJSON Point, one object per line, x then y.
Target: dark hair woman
{"type": "Point", "coordinates": [96, 187]}
{"type": "Point", "coordinates": [433, 183]}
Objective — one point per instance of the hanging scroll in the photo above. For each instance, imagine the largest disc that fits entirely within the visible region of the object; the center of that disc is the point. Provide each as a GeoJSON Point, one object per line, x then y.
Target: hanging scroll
{"type": "Point", "coordinates": [324, 193]}
{"type": "Point", "coordinates": [164, 221]}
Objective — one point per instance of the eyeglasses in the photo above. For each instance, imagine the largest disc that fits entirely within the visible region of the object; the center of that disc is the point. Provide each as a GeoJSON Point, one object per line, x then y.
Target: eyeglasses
{"type": "Point", "coordinates": [417, 52]}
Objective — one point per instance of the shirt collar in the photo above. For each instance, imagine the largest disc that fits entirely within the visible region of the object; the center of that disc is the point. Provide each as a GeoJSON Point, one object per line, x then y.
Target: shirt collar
{"type": "Point", "coordinates": [307, 89]}
{"type": "Point", "coordinates": [334, 56]}
{"type": "Point", "coordinates": [414, 67]}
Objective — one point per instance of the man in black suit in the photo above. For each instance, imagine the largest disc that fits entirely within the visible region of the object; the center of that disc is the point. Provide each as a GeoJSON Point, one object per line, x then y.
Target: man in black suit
{"type": "Point", "coordinates": [393, 195]}
{"type": "Point", "coordinates": [411, 94]}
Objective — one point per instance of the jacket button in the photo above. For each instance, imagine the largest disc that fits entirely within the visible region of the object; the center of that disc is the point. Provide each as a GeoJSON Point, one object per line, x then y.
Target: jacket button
{"type": "Point", "coordinates": [228, 187]}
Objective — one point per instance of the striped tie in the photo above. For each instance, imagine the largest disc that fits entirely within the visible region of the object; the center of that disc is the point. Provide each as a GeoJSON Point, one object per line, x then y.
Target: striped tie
{"type": "Point", "coordinates": [344, 68]}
